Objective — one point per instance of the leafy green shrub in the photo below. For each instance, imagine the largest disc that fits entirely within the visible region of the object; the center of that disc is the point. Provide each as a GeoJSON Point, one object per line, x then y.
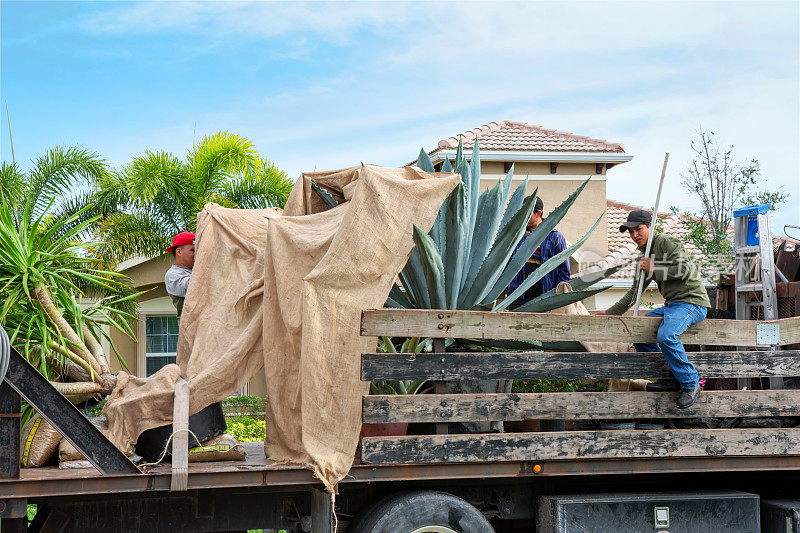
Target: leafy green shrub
{"type": "Point", "coordinates": [556, 385]}
{"type": "Point", "coordinates": [246, 429]}
{"type": "Point", "coordinates": [251, 406]}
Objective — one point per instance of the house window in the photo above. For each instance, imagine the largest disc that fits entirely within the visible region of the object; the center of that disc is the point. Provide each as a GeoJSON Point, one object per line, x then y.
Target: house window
{"type": "Point", "coordinates": [161, 347]}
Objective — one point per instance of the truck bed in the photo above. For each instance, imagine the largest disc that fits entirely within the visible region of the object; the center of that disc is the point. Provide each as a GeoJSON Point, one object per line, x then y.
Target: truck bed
{"type": "Point", "coordinates": [257, 471]}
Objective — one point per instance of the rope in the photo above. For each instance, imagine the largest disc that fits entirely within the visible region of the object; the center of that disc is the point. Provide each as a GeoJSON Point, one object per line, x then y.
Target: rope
{"type": "Point", "coordinates": [169, 440]}
{"type": "Point", "coordinates": [166, 446]}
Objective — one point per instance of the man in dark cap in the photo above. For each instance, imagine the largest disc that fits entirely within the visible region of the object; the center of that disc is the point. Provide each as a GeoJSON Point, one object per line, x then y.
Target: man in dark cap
{"type": "Point", "coordinates": [178, 276]}
{"type": "Point", "coordinates": [685, 302]}
{"type": "Point", "coordinates": [553, 244]}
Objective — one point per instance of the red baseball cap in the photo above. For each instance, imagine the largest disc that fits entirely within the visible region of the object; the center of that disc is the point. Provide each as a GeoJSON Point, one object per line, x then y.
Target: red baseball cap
{"type": "Point", "coordinates": [183, 238]}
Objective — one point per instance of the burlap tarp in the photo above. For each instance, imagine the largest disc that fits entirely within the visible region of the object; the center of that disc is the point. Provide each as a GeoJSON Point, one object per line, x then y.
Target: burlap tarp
{"type": "Point", "coordinates": [285, 290]}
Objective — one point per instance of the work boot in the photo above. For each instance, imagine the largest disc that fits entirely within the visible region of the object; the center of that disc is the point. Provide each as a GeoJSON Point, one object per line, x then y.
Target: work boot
{"type": "Point", "coordinates": [687, 397]}
{"type": "Point", "coordinates": [663, 385]}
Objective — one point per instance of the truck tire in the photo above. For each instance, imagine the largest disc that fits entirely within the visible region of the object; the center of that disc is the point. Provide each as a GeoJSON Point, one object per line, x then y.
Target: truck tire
{"type": "Point", "coordinates": [422, 511]}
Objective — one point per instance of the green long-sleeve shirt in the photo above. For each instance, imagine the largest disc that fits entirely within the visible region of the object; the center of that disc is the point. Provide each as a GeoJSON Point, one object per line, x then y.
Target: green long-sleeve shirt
{"type": "Point", "coordinates": [676, 275]}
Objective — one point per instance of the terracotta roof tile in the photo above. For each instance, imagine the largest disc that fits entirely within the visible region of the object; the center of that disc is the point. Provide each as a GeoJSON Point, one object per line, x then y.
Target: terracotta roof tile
{"type": "Point", "coordinates": [508, 135]}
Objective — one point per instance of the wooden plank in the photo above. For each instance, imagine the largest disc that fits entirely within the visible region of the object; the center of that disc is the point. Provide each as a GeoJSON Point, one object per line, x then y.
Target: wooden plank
{"type": "Point", "coordinates": [551, 327]}
{"type": "Point", "coordinates": [322, 520]}
{"type": "Point", "coordinates": [180, 437]}
{"type": "Point", "coordinates": [575, 405]}
{"type": "Point", "coordinates": [581, 445]}
{"type": "Point", "coordinates": [440, 387]}
{"type": "Point", "coordinates": [572, 365]}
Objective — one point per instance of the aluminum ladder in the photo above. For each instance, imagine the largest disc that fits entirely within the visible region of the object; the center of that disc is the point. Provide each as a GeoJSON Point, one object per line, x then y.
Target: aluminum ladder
{"type": "Point", "coordinates": [754, 266]}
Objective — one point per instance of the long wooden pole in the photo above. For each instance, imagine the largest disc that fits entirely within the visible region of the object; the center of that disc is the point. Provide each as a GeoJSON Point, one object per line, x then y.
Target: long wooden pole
{"type": "Point", "coordinates": [653, 223]}
{"type": "Point", "coordinates": [10, 138]}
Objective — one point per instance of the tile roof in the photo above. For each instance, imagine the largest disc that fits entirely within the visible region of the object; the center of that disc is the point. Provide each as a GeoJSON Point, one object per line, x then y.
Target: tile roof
{"type": "Point", "coordinates": [508, 135]}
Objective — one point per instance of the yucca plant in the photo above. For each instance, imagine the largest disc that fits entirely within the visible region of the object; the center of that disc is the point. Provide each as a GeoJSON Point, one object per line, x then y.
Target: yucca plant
{"type": "Point", "coordinates": [46, 281]}
{"type": "Point", "coordinates": [467, 259]}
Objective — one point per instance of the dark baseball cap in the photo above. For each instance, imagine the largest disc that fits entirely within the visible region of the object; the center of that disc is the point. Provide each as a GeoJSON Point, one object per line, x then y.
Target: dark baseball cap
{"type": "Point", "coordinates": [538, 205]}
{"type": "Point", "coordinates": [636, 217]}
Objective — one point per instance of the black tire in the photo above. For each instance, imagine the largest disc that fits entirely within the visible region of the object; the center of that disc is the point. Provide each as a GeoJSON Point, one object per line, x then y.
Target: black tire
{"type": "Point", "coordinates": [411, 511]}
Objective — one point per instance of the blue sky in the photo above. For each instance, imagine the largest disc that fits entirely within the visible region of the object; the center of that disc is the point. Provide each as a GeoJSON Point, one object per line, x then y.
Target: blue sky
{"type": "Point", "coordinates": [327, 85]}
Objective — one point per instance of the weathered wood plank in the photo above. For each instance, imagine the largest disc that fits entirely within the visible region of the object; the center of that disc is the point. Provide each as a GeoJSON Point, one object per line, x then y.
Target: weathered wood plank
{"type": "Point", "coordinates": [575, 405]}
{"type": "Point", "coordinates": [551, 327]}
{"type": "Point", "coordinates": [572, 365]}
{"type": "Point", "coordinates": [581, 445]}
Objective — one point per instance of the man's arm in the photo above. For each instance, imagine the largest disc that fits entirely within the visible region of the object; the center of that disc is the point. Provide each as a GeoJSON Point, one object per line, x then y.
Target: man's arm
{"type": "Point", "coordinates": [177, 282]}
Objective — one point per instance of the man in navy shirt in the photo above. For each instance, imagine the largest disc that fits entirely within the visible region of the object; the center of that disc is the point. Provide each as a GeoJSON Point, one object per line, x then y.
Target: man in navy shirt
{"type": "Point", "coordinates": [552, 245]}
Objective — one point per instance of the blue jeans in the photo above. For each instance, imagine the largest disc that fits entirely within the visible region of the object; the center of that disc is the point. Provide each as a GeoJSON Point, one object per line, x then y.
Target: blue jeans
{"type": "Point", "coordinates": [678, 316]}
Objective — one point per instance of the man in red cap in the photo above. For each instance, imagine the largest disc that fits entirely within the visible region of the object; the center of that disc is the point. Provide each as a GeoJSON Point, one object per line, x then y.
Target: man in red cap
{"type": "Point", "coordinates": [178, 275]}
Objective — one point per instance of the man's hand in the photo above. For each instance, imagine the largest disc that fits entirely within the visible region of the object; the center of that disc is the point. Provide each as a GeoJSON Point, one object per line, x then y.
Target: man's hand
{"type": "Point", "coordinates": [601, 313]}
{"type": "Point", "coordinates": [646, 264]}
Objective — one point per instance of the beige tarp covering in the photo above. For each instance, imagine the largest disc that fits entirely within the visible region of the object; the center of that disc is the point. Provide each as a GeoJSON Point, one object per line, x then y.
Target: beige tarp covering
{"type": "Point", "coordinates": [286, 290]}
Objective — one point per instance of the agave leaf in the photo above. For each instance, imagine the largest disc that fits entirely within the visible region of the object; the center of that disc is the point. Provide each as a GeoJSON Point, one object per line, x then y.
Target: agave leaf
{"type": "Point", "coordinates": [424, 161]}
{"type": "Point", "coordinates": [432, 266]}
{"type": "Point", "coordinates": [475, 182]}
{"type": "Point", "coordinates": [532, 242]}
{"type": "Point", "coordinates": [498, 256]}
{"type": "Point", "coordinates": [437, 232]}
{"type": "Point", "coordinates": [547, 302]}
{"type": "Point", "coordinates": [459, 151]}
{"type": "Point", "coordinates": [589, 279]}
{"type": "Point", "coordinates": [394, 304]}
{"type": "Point", "coordinates": [397, 294]}
{"type": "Point", "coordinates": [327, 197]}
{"type": "Point", "coordinates": [516, 202]}
{"type": "Point", "coordinates": [446, 166]}
{"type": "Point", "coordinates": [546, 267]}
{"type": "Point", "coordinates": [456, 237]}
{"type": "Point", "coordinates": [507, 182]}
{"type": "Point", "coordinates": [563, 346]}
{"type": "Point", "coordinates": [502, 344]}
{"type": "Point", "coordinates": [487, 221]}
{"type": "Point", "coordinates": [413, 278]}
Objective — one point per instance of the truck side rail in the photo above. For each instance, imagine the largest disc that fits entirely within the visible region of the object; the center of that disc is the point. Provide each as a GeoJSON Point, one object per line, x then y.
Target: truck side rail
{"type": "Point", "coordinates": [576, 445]}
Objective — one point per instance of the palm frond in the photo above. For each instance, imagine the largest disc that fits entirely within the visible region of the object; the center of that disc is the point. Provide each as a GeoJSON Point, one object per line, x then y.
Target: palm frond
{"type": "Point", "coordinates": [125, 235]}
{"type": "Point", "coordinates": [220, 157]}
{"type": "Point", "coordinates": [152, 174]}
{"type": "Point", "coordinates": [270, 187]}
{"type": "Point", "coordinates": [59, 170]}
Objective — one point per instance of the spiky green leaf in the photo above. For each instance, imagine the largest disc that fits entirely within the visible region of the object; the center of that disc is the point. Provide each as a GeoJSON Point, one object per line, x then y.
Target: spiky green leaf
{"type": "Point", "coordinates": [456, 238]}
{"type": "Point", "coordinates": [432, 265]}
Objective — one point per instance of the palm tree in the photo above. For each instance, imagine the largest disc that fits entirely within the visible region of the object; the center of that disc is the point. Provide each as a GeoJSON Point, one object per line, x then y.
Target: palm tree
{"type": "Point", "coordinates": [158, 195]}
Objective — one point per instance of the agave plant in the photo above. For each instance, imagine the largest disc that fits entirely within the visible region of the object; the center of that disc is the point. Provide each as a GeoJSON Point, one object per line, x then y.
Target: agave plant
{"type": "Point", "coordinates": [468, 258]}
